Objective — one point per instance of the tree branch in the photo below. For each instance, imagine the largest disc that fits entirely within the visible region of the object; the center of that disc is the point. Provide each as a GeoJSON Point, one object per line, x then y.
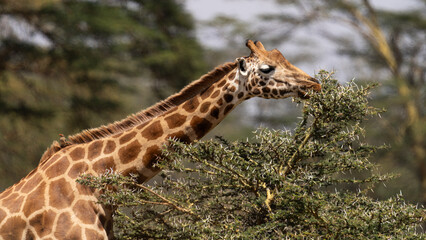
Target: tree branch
{"type": "Point", "coordinates": [166, 201]}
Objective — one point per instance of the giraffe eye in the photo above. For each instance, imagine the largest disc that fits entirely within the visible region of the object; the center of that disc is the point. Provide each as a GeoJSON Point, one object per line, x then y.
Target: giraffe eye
{"type": "Point", "coordinates": [266, 69]}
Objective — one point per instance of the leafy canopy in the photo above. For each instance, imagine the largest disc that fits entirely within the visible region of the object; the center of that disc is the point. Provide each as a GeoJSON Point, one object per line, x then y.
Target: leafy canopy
{"type": "Point", "coordinates": [281, 184]}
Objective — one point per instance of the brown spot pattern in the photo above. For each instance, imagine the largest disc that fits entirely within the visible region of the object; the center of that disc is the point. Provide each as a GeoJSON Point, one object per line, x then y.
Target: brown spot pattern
{"type": "Point", "coordinates": [110, 147]}
{"type": "Point", "coordinates": [283, 92]}
{"type": "Point", "coordinates": [191, 105]}
{"type": "Point", "coordinates": [103, 164]}
{"type": "Point", "coordinates": [31, 183]}
{"type": "Point", "coordinates": [231, 75]}
{"type": "Point", "coordinates": [130, 152]}
{"type": "Point", "coordinates": [207, 92]}
{"type": "Point", "coordinates": [150, 154]}
{"type": "Point", "coordinates": [77, 154]}
{"type": "Point", "coordinates": [18, 186]}
{"type": "Point", "coordinates": [127, 137]}
{"type": "Point", "coordinates": [42, 222]}
{"type": "Point", "coordinates": [95, 149]}
{"type": "Point", "coordinates": [215, 94]}
{"type": "Point", "coordinates": [153, 131]}
{"type": "Point", "coordinates": [215, 112]}
{"type": "Point", "coordinates": [266, 90]}
{"type": "Point", "coordinates": [84, 190]}
{"type": "Point", "coordinates": [60, 194]}
{"type": "Point", "coordinates": [92, 234]}
{"type": "Point", "coordinates": [78, 169]}
{"type": "Point", "coordinates": [228, 97]}
{"type": "Point", "coordinates": [225, 87]}
{"type": "Point", "coordinates": [221, 83]}
{"type": "Point", "coordinates": [275, 91]}
{"type": "Point", "coordinates": [47, 163]}
{"type": "Point", "coordinates": [84, 211]}
{"type": "Point", "coordinates": [220, 102]}
{"type": "Point", "coordinates": [58, 168]}
{"type": "Point", "coordinates": [228, 108]}
{"type": "Point", "coordinates": [240, 95]}
{"type": "Point", "coordinates": [29, 235]}
{"type": "Point", "coordinates": [141, 126]}
{"type": "Point", "coordinates": [129, 170]}
{"type": "Point", "coordinates": [2, 215]}
{"type": "Point", "coordinates": [74, 233]}
{"type": "Point", "coordinates": [205, 107]}
{"type": "Point", "coordinates": [201, 126]}
{"type": "Point", "coordinates": [35, 200]}
{"type": "Point", "coordinates": [13, 202]}
{"type": "Point", "coordinates": [9, 199]}
{"type": "Point", "coordinates": [180, 136]}
{"type": "Point", "coordinates": [12, 228]}
{"type": "Point", "coordinates": [63, 226]}
{"type": "Point", "coordinates": [175, 120]}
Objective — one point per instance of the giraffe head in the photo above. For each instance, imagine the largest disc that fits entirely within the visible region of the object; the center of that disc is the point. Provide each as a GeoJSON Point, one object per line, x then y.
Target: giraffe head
{"type": "Point", "coordinates": [268, 74]}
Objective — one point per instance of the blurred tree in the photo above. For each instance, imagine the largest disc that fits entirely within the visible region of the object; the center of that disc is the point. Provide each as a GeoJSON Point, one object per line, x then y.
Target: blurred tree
{"type": "Point", "coordinates": [70, 65]}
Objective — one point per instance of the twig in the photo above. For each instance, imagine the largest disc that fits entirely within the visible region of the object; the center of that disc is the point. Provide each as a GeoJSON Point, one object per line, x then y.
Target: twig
{"type": "Point", "coordinates": [166, 201]}
{"type": "Point", "coordinates": [269, 197]}
{"type": "Point", "coordinates": [284, 172]}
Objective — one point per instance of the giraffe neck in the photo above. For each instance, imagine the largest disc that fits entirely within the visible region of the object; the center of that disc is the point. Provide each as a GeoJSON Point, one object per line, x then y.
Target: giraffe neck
{"type": "Point", "coordinates": [57, 206]}
{"type": "Point", "coordinates": [189, 121]}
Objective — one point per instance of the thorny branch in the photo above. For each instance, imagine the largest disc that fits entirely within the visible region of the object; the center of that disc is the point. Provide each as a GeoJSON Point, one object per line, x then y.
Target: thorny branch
{"type": "Point", "coordinates": [166, 201]}
{"type": "Point", "coordinates": [283, 171]}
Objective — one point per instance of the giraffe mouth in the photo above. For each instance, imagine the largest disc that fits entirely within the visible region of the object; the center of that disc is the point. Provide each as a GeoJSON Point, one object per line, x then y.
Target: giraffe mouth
{"type": "Point", "coordinates": [302, 93]}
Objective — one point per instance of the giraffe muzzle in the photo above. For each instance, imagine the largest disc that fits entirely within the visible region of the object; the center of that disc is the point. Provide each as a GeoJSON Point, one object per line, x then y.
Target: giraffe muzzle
{"type": "Point", "coordinates": [314, 85]}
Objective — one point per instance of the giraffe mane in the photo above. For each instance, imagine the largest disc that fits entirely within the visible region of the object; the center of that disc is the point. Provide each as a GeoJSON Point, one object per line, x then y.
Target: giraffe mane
{"type": "Point", "coordinates": [161, 107]}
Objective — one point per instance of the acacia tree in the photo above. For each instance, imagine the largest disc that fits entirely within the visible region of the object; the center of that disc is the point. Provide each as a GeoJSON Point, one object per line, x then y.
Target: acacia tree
{"type": "Point", "coordinates": [71, 65]}
{"type": "Point", "coordinates": [282, 184]}
{"type": "Point", "coordinates": [392, 48]}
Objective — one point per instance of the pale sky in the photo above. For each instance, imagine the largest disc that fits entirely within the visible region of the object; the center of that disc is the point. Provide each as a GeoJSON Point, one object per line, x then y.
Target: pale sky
{"type": "Point", "coordinates": [247, 10]}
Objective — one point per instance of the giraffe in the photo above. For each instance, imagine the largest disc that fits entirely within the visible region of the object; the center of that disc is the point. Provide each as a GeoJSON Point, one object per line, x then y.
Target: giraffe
{"type": "Point", "coordinates": [49, 204]}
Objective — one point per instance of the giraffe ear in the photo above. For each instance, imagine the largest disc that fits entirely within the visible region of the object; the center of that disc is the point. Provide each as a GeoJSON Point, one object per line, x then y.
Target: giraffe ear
{"type": "Point", "coordinates": [242, 65]}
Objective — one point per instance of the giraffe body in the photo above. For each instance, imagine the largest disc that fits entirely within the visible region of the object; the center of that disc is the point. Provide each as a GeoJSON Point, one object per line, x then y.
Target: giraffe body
{"type": "Point", "coordinates": [49, 204]}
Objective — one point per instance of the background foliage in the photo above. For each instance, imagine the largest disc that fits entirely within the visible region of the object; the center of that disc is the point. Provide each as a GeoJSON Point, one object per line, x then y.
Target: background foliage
{"type": "Point", "coordinates": [281, 184]}
{"type": "Point", "coordinates": [70, 65]}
